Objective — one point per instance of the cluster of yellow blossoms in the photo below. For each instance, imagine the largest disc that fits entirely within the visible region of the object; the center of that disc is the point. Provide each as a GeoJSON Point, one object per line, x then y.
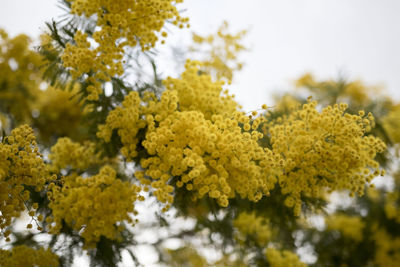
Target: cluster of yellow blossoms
{"type": "Point", "coordinates": [200, 93]}
{"type": "Point", "coordinates": [286, 104]}
{"type": "Point", "coordinates": [20, 76]}
{"type": "Point", "coordinates": [219, 52]}
{"type": "Point", "coordinates": [194, 142]}
{"type": "Point", "coordinates": [350, 227]}
{"type": "Point", "coordinates": [392, 204]}
{"type": "Point", "coordinates": [196, 138]}
{"type": "Point", "coordinates": [251, 225]}
{"type": "Point", "coordinates": [127, 120]}
{"type": "Point", "coordinates": [59, 113]}
{"type": "Point", "coordinates": [52, 112]}
{"type": "Point", "coordinates": [391, 123]}
{"type": "Point", "coordinates": [96, 206]}
{"type": "Point", "coordinates": [66, 153]}
{"type": "Point", "coordinates": [211, 157]}
{"type": "Point", "coordinates": [24, 256]}
{"type": "Point", "coordinates": [283, 258]}
{"type": "Point", "coordinates": [355, 92]}
{"type": "Point", "coordinates": [324, 150]}
{"type": "Point", "coordinates": [387, 249]}
{"type": "Point", "coordinates": [21, 165]}
{"type": "Point", "coordinates": [120, 24]}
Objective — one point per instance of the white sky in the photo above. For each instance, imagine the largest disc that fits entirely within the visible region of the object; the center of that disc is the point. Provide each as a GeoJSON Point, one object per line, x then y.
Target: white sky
{"type": "Point", "coordinates": [360, 38]}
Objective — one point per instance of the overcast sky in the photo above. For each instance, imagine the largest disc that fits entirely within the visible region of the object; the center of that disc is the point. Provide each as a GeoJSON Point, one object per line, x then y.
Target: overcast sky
{"type": "Point", "coordinates": [358, 38]}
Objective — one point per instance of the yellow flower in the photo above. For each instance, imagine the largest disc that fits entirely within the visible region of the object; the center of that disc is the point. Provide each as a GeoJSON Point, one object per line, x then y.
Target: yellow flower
{"type": "Point", "coordinates": [283, 258]}
{"type": "Point", "coordinates": [324, 150]}
{"type": "Point", "coordinates": [387, 249]}
{"type": "Point", "coordinates": [219, 52]}
{"type": "Point", "coordinates": [350, 227]}
{"type": "Point", "coordinates": [20, 165]}
{"type": "Point", "coordinates": [125, 23]}
{"type": "Point", "coordinates": [96, 205]}
{"type": "Point", "coordinates": [23, 256]}
{"type": "Point", "coordinates": [66, 153]}
{"type": "Point", "coordinates": [255, 227]}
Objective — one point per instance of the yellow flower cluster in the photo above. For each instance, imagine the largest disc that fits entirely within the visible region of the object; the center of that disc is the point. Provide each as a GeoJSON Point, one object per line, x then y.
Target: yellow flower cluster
{"type": "Point", "coordinates": [228, 260]}
{"type": "Point", "coordinates": [387, 249]}
{"type": "Point", "coordinates": [20, 76]}
{"type": "Point", "coordinates": [373, 194]}
{"type": "Point", "coordinates": [120, 23]}
{"type": "Point", "coordinates": [283, 258]}
{"type": "Point", "coordinates": [286, 104]}
{"type": "Point", "coordinates": [66, 153]}
{"type": "Point", "coordinates": [200, 93]}
{"type": "Point", "coordinates": [82, 59]}
{"type": "Point", "coordinates": [127, 119]}
{"type": "Point", "coordinates": [356, 92]}
{"type": "Point", "coordinates": [24, 256]}
{"type": "Point", "coordinates": [392, 204]}
{"type": "Point", "coordinates": [59, 113]}
{"type": "Point", "coordinates": [350, 226]}
{"type": "Point", "coordinates": [136, 20]}
{"type": "Point", "coordinates": [327, 149]}
{"type": "Point", "coordinates": [195, 134]}
{"type": "Point", "coordinates": [391, 123]}
{"type": "Point", "coordinates": [307, 80]}
{"type": "Point", "coordinates": [213, 157]}
{"type": "Point", "coordinates": [251, 225]}
{"type": "Point", "coordinates": [21, 165]}
{"type": "Point", "coordinates": [220, 52]}
{"type": "Point", "coordinates": [21, 100]}
{"type": "Point", "coordinates": [96, 206]}
{"type": "Point", "coordinates": [189, 256]}
{"type": "Point", "coordinates": [197, 139]}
